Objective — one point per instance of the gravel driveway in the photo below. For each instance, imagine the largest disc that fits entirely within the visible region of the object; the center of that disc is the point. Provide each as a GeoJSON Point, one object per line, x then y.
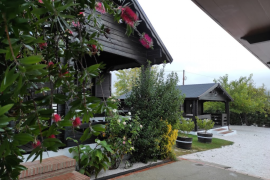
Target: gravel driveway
{"type": "Point", "coordinates": [250, 153]}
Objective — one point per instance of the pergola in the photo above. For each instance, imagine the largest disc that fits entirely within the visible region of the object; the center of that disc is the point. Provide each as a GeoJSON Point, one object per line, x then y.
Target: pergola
{"type": "Point", "coordinates": [197, 94]}
{"type": "Point", "coordinates": [247, 21]}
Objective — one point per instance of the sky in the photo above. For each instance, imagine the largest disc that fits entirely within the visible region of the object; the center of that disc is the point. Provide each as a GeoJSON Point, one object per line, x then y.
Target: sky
{"type": "Point", "coordinates": [199, 45]}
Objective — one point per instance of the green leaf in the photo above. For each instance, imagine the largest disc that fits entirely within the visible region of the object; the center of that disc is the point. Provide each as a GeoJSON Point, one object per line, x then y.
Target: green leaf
{"type": "Point", "coordinates": [65, 123]}
{"type": "Point", "coordinates": [98, 153]}
{"type": "Point", "coordinates": [99, 127]}
{"type": "Point", "coordinates": [23, 138]}
{"type": "Point", "coordinates": [39, 11]}
{"type": "Point", "coordinates": [12, 41]}
{"type": "Point", "coordinates": [46, 112]}
{"type": "Point", "coordinates": [2, 51]}
{"type": "Point", "coordinates": [31, 60]}
{"type": "Point", "coordinates": [5, 109]}
{"type": "Point", "coordinates": [86, 135]}
{"type": "Point", "coordinates": [9, 78]}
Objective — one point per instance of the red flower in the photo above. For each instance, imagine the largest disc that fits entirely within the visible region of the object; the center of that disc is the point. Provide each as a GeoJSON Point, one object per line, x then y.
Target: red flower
{"type": "Point", "coordinates": [81, 13]}
{"type": "Point", "coordinates": [128, 15]}
{"type": "Point", "coordinates": [100, 8]}
{"type": "Point", "coordinates": [42, 45]}
{"type": "Point", "coordinates": [52, 136]}
{"type": "Point", "coordinates": [76, 122]}
{"type": "Point", "coordinates": [50, 64]}
{"type": "Point", "coordinates": [40, 1]}
{"type": "Point", "coordinates": [56, 117]}
{"type": "Point", "coordinates": [36, 144]}
{"type": "Point", "coordinates": [146, 41]}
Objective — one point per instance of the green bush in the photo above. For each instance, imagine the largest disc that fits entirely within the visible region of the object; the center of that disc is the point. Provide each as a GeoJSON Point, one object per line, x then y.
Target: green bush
{"type": "Point", "coordinates": [205, 124]}
{"type": "Point", "coordinates": [154, 96]}
{"type": "Point", "coordinates": [186, 126]}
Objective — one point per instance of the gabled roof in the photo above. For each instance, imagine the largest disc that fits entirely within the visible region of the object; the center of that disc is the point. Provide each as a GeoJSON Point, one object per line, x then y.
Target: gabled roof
{"type": "Point", "coordinates": [247, 21]}
{"type": "Point", "coordinates": [195, 91]}
{"type": "Point", "coordinates": [121, 51]}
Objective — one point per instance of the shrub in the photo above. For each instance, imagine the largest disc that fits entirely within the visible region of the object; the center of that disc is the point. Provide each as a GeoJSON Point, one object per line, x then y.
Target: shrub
{"type": "Point", "coordinates": [205, 124]}
{"type": "Point", "coordinates": [167, 140]}
{"type": "Point", "coordinates": [154, 96]}
{"type": "Point", "coordinates": [186, 126]}
{"type": "Point", "coordinates": [122, 132]}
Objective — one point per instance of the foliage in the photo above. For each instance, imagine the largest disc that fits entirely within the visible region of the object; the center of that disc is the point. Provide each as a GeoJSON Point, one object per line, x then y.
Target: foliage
{"type": "Point", "coordinates": [186, 126]}
{"type": "Point", "coordinates": [121, 132]}
{"type": "Point", "coordinates": [247, 98]}
{"type": "Point", "coordinates": [46, 50]}
{"type": "Point", "coordinates": [213, 107]}
{"type": "Point", "coordinates": [91, 160]}
{"type": "Point", "coordinates": [167, 140]}
{"type": "Point", "coordinates": [205, 124]}
{"type": "Point", "coordinates": [153, 96]}
{"type": "Point", "coordinates": [125, 78]}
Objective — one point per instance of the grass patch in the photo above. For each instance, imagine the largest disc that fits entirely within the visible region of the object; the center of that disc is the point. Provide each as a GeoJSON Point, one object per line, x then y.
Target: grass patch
{"type": "Point", "coordinates": [198, 146]}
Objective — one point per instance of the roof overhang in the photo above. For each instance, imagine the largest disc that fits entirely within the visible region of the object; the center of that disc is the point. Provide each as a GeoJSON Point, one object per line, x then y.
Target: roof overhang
{"type": "Point", "coordinates": [247, 21]}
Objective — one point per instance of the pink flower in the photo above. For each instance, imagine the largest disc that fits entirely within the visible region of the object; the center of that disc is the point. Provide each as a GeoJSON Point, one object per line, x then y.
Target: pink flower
{"type": "Point", "coordinates": [56, 117]}
{"type": "Point", "coordinates": [81, 13]}
{"type": "Point", "coordinates": [76, 122]}
{"type": "Point", "coordinates": [42, 45]}
{"type": "Point", "coordinates": [40, 1]}
{"type": "Point", "coordinates": [100, 8]}
{"type": "Point", "coordinates": [36, 144]}
{"type": "Point", "coordinates": [128, 15]}
{"type": "Point", "coordinates": [124, 142]}
{"type": "Point", "coordinates": [146, 41]}
{"type": "Point", "coordinates": [52, 136]}
{"type": "Point", "coordinates": [75, 24]}
{"type": "Point", "coordinates": [70, 32]}
{"type": "Point", "coordinates": [50, 64]}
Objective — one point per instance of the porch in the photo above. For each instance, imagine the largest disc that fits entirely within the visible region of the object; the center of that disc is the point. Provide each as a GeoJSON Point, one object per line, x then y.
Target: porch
{"type": "Point", "coordinates": [195, 97]}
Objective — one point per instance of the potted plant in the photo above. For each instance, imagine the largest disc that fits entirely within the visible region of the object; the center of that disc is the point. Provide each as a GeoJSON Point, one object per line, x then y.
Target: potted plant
{"type": "Point", "coordinates": [183, 141]}
{"type": "Point", "coordinates": [205, 124]}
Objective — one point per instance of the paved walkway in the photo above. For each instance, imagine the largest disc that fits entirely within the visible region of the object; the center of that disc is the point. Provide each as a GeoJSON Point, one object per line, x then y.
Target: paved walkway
{"type": "Point", "coordinates": [250, 153]}
{"type": "Point", "coordinates": [186, 170]}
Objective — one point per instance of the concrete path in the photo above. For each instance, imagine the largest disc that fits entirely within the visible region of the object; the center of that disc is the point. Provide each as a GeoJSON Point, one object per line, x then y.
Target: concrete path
{"type": "Point", "coordinates": [186, 170]}
{"type": "Point", "coordinates": [250, 153]}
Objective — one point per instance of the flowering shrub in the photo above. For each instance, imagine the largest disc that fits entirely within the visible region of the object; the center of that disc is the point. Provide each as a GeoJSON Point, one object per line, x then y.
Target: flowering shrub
{"type": "Point", "coordinates": [186, 126]}
{"type": "Point", "coordinates": [168, 139]}
{"type": "Point", "coordinates": [205, 124]}
{"type": "Point", "coordinates": [121, 132]}
{"type": "Point", "coordinates": [42, 62]}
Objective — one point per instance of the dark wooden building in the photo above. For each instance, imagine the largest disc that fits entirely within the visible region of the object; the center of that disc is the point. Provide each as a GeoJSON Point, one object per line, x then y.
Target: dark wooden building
{"type": "Point", "coordinates": [247, 21]}
{"type": "Point", "coordinates": [197, 94]}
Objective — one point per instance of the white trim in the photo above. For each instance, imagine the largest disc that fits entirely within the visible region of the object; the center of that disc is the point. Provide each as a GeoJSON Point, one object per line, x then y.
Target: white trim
{"type": "Point", "coordinates": [189, 142]}
{"type": "Point", "coordinates": [204, 137]}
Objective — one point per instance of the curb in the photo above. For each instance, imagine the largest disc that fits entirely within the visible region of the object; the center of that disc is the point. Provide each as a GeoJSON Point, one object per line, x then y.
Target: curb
{"type": "Point", "coordinates": [135, 171]}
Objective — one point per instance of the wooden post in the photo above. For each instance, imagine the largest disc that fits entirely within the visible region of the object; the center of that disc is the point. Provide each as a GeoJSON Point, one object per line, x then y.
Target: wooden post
{"type": "Point", "coordinates": [195, 113]}
{"type": "Point", "coordinates": [227, 108]}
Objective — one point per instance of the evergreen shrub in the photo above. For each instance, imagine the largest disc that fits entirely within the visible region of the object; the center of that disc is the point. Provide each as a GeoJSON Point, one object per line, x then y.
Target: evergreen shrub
{"type": "Point", "coordinates": [154, 96]}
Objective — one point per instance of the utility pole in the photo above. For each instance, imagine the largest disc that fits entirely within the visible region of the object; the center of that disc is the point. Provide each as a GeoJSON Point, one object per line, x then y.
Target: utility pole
{"type": "Point", "coordinates": [183, 77]}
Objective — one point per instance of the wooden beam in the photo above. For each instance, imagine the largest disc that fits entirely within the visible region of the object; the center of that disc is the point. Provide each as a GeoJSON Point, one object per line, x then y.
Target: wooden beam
{"type": "Point", "coordinates": [227, 108]}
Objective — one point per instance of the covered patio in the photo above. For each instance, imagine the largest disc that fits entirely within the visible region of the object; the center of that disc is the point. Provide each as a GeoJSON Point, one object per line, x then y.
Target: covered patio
{"type": "Point", "coordinates": [197, 94]}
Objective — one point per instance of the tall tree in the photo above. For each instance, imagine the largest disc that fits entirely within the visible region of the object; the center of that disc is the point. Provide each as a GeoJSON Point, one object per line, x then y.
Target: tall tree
{"type": "Point", "coordinates": [125, 78]}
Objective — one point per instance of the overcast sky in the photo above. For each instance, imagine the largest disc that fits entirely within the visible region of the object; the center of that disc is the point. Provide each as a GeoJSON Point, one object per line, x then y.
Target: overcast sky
{"type": "Point", "coordinates": [199, 45]}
